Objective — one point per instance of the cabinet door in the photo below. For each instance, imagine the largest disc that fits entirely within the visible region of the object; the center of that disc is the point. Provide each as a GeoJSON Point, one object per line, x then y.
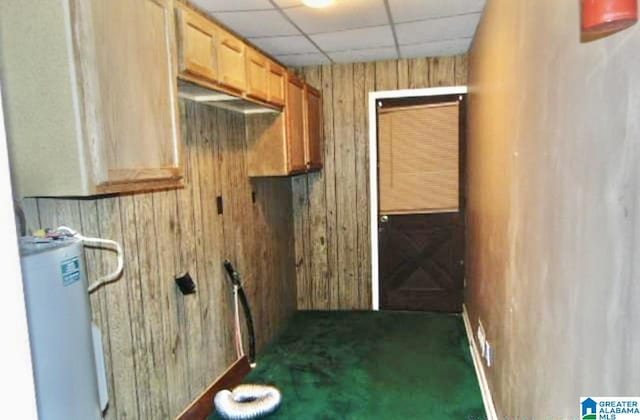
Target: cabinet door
{"type": "Point", "coordinates": [231, 61]}
{"type": "Point", "coordinates": [126, 54]}
{"type": "Point", "coordinates": [313, 127]}
{"type": "Point", "coordinates": [295, 119]}
{"type": "Point", "coordinates": [257, 70]}
{"type": "Point", "coordinates": [197, 38]}
{"type": "Point", "coordinates": [277, 84]}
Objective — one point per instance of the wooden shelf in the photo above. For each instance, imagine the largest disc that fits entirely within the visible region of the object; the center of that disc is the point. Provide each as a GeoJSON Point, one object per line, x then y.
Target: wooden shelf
{"type": "Point", "coordinates": [210, 96]}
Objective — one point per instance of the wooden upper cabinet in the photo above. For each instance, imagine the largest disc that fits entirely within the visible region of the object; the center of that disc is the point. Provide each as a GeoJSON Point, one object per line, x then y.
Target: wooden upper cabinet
{"type": "Point", "coordinates": [130, 80]}
{"type": "Point", "coordinates": [197, 41]}
{"type": "Point", "coordinates": [295, 125]}
{"type": "Point", "coordinates": [257, 75]}
{"type": "Point", "coordinates": [313, 128]}
{"type": "Point", "coordinates": [215, 59]}
{"type": "Point", "coordinates": [105, 115]}
{"type": "Point", "coordinates": [288, 143]}
{"type": "Point", "coordinates": [277, 80]}
{"type": "Point", "coordinates": [231, 61]}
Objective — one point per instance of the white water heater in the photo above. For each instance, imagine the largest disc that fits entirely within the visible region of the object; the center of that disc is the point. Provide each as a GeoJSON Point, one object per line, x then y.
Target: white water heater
{"type": "Point", "coordinates": [66, 349]}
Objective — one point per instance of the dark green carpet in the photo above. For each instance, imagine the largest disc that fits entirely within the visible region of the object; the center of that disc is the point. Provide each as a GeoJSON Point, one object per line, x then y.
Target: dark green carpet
{"type": "Point", "coordinates": [372, 365]}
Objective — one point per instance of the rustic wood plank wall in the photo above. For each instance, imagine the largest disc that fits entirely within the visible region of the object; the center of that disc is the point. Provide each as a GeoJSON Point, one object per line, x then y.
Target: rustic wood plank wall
{"type": "Point", "coordinates": [164, 348]}
{"type": "Point", "coordinates": [331, 207]}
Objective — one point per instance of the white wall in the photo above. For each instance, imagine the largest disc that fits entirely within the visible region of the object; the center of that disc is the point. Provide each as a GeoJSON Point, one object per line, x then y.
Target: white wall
{"type": "Point", "coordinates": [554, 207]}
{"type": "Point", "coordinates": [17, 396]}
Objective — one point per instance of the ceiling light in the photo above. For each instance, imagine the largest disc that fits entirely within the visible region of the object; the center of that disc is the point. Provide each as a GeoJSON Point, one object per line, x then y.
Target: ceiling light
{"type": "Point", "coordinates": [317, 4]}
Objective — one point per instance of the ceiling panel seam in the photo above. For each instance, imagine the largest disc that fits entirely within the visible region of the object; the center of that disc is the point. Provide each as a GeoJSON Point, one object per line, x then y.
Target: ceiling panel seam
{"type": "Point", "coordinates": [393, 27]}
{"type": "Point", "coordinates": [284, 14]}
{"type": "Point", "coordinates": [240, 10]}
{"type": "Point", "coordinates": [436, 41]}
{"type": "Point", "coordinates": [348, 29]}
{"type": "Point", "coordinates": [438, 18]}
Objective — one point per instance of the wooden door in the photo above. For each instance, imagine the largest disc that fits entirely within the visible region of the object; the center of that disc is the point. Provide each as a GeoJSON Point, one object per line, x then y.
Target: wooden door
{"type": "Point", "coordinates": [313, 128]}
{"type": "Point", "coordinates": [295, 125]}
{"type": "Point", "coordinates": [126, 51]}
{"type": "Point", "coordinates": [277, 80]}
{"type": "Point", "coordinates": [197, 40]}
{"type": "Point", "coordinates": [231, 61]}
{"type": "Point", "coordinates": [421, 221]}
{"type": "Point", "coordinates": [257, 72]}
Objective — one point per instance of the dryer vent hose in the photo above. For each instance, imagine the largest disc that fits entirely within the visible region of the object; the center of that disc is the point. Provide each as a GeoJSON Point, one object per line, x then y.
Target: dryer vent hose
{"type": "Point", "coordinates": [247, 402]}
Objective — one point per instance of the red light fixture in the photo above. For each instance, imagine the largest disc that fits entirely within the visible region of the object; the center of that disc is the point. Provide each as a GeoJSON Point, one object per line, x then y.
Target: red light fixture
{"type": "Point", "coordinates": [603, 16]}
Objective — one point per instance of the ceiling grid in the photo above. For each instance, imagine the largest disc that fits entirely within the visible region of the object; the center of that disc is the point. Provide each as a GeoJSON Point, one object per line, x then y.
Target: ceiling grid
{"type": "Point", "coordinates": [351, 30]}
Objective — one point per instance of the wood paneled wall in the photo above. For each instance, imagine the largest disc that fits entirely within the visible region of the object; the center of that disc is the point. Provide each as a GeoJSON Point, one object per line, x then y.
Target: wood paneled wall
{"type": "Point", "coordinates": [164, 348]}
{"type": "Point", "coordinates": [331, 207]}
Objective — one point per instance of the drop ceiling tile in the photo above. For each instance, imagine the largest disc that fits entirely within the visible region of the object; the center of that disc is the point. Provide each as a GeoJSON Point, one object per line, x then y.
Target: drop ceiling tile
{"type": "Point", "coordinates": [367, 54]}
{"type": "Point", "coordinates": [299, 60]}
{"type": "Point", "coordinates": [341, 15]}
{"type": "Point", "coordinates": [254, 24]}
{"type": "Point", "coordinates": [377, 36]}
{"type": "Point", "coordinates": [411, 10]}
{"type": "Point", "coordinates": [282, 45]}
{"type": "Point", "coordinates": [226, 5]}
{"type": "Point", "coordinates": [437, 29]}
{"type": "Point", "coordinates": [436, 49]}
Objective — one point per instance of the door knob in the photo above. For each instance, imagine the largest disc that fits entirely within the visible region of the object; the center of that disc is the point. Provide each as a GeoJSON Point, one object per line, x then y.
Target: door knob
{"type": "Point", "coordinates": [384, 218]}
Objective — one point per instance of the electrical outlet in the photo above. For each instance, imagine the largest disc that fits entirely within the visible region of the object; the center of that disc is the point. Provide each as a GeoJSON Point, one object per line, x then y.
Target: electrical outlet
{"type": "Point", "coordinates": [488, 353]}
{"type": "Point", "coordinates": [482, 338]}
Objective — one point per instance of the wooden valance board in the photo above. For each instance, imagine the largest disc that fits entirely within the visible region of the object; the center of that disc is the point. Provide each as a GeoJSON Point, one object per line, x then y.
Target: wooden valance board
{"type": "Point", "coordinates": [418, 156]}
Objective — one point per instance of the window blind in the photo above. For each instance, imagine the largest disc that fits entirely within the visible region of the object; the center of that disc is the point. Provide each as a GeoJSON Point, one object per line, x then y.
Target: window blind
{"type": "Point", "coordinates": [418, 158]}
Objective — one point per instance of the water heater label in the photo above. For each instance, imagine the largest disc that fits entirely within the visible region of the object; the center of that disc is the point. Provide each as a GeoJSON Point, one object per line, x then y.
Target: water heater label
{"type": "Point", "coordinates": [70, 269]}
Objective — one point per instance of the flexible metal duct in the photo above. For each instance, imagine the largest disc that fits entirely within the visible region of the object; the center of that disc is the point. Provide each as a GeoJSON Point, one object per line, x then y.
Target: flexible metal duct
{"type": "Point", "coordinates": [247, 402]}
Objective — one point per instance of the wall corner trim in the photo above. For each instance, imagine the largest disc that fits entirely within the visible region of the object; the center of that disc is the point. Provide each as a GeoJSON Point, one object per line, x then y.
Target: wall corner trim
{"type": "Point", "coordinates": [487, 398]}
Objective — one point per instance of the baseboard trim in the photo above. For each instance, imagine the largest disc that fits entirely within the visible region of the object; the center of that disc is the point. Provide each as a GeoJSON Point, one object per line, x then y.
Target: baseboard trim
{"type": "Point", "coordinates": [202, 406]}
{"type": "Point", "coordinates": [487, 399]}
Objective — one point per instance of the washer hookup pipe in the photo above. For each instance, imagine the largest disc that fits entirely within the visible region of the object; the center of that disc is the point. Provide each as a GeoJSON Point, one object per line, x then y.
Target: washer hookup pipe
{"type": "Point", "coordinates": [234, 278]}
